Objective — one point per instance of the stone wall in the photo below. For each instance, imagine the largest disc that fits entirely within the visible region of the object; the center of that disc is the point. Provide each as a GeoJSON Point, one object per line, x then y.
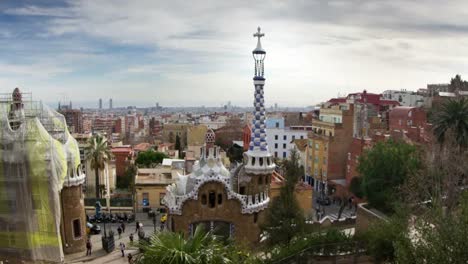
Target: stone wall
{"type": "Point", "coordinates": [246, 226]}
{"type": "Point", "coordinates": [72, 209]}
{"type": "Point", "coordinates": [365, 217]}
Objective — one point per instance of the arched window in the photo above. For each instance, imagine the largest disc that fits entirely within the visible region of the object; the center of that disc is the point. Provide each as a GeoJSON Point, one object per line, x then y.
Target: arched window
{"type": "Point", "coordinates": [203, 199]}
{"type": "Point", "coordinates": [220, 198]}
{"type": "Point", "coordinates": [253, 161]}
{"type": "Point", "coordinates": [260, 161]}
{"type": "Point", "coordinates": [260, 180]}
{"type": "Point", "coordinates": [255, 217]}
{"type": "Point", "coordinates": [212, 199]}
{"type": "Point", "coordinates": [242, 190]}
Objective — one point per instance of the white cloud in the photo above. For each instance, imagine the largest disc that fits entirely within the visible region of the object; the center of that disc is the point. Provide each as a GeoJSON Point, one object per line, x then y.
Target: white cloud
{"type": "Point", "coordinates": [315, 49]}
{"type": "Point", "coordinates": [39, 71]}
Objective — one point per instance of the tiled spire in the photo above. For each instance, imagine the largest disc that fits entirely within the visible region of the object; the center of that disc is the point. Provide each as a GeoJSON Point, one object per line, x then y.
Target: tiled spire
{"type": "Point", "coordinates": [258, 139]}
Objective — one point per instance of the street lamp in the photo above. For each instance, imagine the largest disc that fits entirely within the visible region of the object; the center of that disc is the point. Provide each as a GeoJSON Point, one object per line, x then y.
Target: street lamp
{"type": "Point", "coordinates": [259, 55]}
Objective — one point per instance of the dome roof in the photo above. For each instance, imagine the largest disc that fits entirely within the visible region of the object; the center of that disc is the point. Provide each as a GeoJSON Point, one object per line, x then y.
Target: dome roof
{"type": "Point", "coordinates": [210, 136]}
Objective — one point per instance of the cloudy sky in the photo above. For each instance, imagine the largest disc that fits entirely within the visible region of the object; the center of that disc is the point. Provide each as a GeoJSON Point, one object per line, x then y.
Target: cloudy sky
{"type": "Point", "coordinates": [199, 52]}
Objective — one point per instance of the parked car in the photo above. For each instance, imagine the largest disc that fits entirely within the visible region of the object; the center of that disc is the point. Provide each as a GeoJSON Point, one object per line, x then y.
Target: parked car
{"type": "Point", "coordinates": [92, 229]}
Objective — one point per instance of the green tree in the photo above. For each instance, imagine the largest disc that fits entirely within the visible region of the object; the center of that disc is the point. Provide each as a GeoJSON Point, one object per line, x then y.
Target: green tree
{"type": "Point", "coordinates": [355, 187]}
{"type": "Point", "coordinates": [285, 218]}
{"type": "Point", "coordinates": [383, 169]}
{"type": "Point", "coordinates": [202, 247]}
{"type": "Point", "coordinates": [457, 84]}
{"type": "Point", "coordinates": [452, 119]}
{"type": "Point", "coordinates": [150, 158]}
{"type": "Point", "coordinates": [98, 154]}
{"type": "Point", "coordinates": [127, 181]}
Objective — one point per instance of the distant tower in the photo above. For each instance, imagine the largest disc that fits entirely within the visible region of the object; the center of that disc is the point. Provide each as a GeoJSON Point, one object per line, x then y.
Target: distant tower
{"type": "Point", "coordinates": [110, 103]}
{"type": "Point", "coordinates": [100, 103]}
{"type": "Point", "coordinates": [71, 105]}
{"type": "Point", "coordinates": [258, 159]}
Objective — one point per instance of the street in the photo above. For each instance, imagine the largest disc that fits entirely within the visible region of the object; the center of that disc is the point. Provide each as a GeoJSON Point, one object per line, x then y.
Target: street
{"type": "Point", "coordinates": [98, 255]}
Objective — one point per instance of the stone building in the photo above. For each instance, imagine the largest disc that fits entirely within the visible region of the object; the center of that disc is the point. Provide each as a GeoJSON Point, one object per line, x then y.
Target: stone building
{"type": "Point", "coordinates": [328, 144]}
{"type": "Point", "coordinates": [230, 203]}
{"type": "Point", "coordinates": [172, 130]}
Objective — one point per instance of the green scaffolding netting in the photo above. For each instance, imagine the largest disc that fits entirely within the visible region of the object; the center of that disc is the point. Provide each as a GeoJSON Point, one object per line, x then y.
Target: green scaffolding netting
{"type": "Point", "coordinates": [36, 158]}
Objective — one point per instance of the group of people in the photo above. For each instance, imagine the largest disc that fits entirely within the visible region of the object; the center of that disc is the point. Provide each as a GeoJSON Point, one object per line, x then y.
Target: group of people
{"type": "Point", "coordinates": [120, 230]}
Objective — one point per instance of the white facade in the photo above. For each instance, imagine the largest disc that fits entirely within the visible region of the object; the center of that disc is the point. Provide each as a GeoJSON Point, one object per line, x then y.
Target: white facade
{"type": "Point", "coordinates": [279, 141]}
{"type": "Point", "coordinates": [405, 98]}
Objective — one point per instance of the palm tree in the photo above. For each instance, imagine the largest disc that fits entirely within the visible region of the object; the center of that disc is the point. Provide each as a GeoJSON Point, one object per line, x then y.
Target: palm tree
{"type": "Point", "coordinates": [452, 118]}
{"type": "Point", "coordinates": [202, 247]}
{"type": "Point", "coordinates": [98, 153]}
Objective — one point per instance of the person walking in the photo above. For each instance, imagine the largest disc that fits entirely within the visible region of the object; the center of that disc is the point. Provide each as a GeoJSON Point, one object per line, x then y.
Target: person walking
{"type": "Point", "coordinates": [130, 258]}
{"type": "Point", "coordinates": [123, 227]}
{"type": "Point", "coordinates": [119, 230]}
{"type": "Point", "coordinates": [131, 239]}
{"type": "Point", "coordinates": [122, 249]}
{"type": "Point", "coordinates": [137, 226]}
{"type": "Point", "coordinates": [89, 246]}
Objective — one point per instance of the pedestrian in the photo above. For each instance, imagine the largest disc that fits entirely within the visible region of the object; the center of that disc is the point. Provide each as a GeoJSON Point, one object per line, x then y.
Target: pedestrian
{"type": "Point", "coordinates": [123, 227]}
{"type": "Point", "coordinates": [131, 238]}
{"type": "Point", "coordinates": [88, 247]}
{"type": "Point", "coordinates": [119, 230]}
{"type": "Point", "coordinates": [137, 226]}
{"type": "Point", "coordinates": [130, 258]}
{"type": "Point", "coordinates": [122, 249]}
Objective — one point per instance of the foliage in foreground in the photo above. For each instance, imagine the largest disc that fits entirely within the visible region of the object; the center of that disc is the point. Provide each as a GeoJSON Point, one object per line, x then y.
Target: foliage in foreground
{"type": "Point", "coordinates": [436, 237]}
{"type": "Point", "coordinates": [202, 247]}
{"type": "Point", "coordinates": [323, 243]}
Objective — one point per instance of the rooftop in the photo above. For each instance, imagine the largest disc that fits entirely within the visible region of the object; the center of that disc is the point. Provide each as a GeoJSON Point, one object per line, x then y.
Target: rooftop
{"type": "Point", "coordinates": [155, 176]}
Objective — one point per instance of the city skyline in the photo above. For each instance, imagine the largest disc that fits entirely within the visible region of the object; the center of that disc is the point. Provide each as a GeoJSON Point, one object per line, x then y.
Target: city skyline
{"type": "Point", "coordinates": [178, 55]}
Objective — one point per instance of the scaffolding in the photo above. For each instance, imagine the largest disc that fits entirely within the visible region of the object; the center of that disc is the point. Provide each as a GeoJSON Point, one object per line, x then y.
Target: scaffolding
{"type": "Point", "coordinates": [37, 155]}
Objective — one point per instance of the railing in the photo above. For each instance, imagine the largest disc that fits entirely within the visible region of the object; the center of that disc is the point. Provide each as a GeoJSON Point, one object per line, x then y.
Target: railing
{"type": "Point", "coordinates": [92, 201]}
{"type": "Point", "coordinates": [121, 202]}
{"type": "Point", "coordinates": [351, 251]}
{"type": "Point", "coordinates": [114, 202]}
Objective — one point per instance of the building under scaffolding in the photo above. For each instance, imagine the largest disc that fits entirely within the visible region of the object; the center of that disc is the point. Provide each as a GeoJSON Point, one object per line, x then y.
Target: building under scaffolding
{"type": "Point", "coordinates": [41, 202]}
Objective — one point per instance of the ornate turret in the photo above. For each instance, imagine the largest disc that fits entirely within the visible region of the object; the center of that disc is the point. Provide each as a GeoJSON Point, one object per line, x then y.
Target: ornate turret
{"type": "Point", "coordinates": [258, 159]}
{"type": "Point", "coordinates": [16, 114]}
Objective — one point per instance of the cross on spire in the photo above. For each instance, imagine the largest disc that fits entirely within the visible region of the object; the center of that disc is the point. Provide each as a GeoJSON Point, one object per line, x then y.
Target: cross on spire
{"type": "Point", "coordinates": [258, 34]}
